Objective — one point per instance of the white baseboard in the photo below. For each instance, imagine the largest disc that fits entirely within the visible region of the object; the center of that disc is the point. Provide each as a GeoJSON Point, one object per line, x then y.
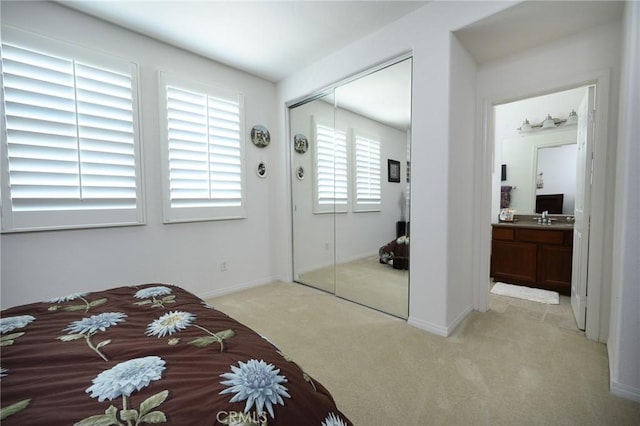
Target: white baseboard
{"type": "Point", "coordinates": [428, 326]}
{"type": "Point", "coordinates": [236, 288]}
{"type": "Point", "coordinates": [625, 391]}
{"type": "Point", "coordinates": [439, 330]}
{"type": "Point", "coordinates": [451, 327]}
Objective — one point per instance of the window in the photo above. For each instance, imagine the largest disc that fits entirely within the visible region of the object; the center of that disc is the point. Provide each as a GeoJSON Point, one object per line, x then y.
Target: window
{"type": "Point", "coordinates": [367, 174]}
{"type": "Point", "coordinates": [331, 187]}
{"type": "Point", "coordinates": [203, 153]}
{"type": "Point", "coordinates": [71, 141]}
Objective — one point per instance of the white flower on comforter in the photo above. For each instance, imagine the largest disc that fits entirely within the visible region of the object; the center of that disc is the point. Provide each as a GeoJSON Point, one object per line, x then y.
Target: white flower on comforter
{"type": "Point", "coordinates": [121, 381]}
{"type": "Point", "coordinates": [126, 377]}
{"type": "Point", "coordinates": [95, 323]}
{"type": "Point", "coordinates": [170, 323]}
{"type": "Point", "coordinates": [256, 382]}
{"type": "Point", "coordinates": [333, 420]}
{"type": "Point", "coordinates": [148, 292]}
{"type": "Point", "coordinates": [11, 323]}
{"type": "Point", "coordinates": [67, 298]}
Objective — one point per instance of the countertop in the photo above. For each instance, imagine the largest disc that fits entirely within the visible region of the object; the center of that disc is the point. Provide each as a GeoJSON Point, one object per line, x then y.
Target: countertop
{"type": "Point", "coordinates": [531, 224]}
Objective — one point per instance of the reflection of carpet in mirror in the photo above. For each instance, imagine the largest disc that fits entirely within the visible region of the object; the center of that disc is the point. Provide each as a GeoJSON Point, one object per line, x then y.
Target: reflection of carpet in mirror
{"type": "Point", "coordinates": [366, 281]}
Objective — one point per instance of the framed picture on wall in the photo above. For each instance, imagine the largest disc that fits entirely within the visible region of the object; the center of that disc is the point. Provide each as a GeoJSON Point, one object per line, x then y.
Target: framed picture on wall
{"type": "Point", "coordinates": [393, 167]}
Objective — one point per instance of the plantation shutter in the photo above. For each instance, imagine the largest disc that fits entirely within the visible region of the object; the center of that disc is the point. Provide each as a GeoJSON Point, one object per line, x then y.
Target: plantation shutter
{"type": "Point", "coordinates": [367, 174]}
{"type": "Point", "coordinates": [70, 142]}
{"type": "Point", "coordinates": [331, 170]}
{"type": "Point", "coordinates": [204, 155]}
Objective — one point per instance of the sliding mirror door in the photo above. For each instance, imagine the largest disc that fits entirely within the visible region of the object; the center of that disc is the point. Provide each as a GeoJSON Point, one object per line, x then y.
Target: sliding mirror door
{"type": "Point", "coordinates": [350, 189]}
{"type": "Point", "coordinates": [372, 244]}
{"type": "Point", "coordinates": [312, 133]}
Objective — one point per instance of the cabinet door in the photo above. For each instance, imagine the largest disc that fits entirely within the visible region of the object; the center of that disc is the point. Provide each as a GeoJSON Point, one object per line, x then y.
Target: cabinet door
{"type": "Point", "coordinates": [513, 262]}
{"type": "Point", "coordinates": [554, 268]}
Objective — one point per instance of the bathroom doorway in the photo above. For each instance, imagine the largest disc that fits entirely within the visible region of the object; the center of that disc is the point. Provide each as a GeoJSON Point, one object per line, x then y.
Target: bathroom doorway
{"type": "Point", "coordinates": [593, 170]}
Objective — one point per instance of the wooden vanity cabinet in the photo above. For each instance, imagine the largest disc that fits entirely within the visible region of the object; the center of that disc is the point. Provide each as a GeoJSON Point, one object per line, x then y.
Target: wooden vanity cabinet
{"type": "Point", "coordinates": [533, 257]}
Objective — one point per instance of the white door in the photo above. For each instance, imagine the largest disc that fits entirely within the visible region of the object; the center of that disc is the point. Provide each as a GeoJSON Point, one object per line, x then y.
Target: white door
{"type": "Point", "coordinates": [582, 203]}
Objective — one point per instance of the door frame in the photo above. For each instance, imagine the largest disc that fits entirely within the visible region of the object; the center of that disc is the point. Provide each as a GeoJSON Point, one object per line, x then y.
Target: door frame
{"type": "Point", "coordinates": [599, 288]}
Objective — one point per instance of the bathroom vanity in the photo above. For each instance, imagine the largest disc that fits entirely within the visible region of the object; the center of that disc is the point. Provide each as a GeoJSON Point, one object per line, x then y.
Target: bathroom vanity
{"type": "Point", "coordinates": [533, 255]}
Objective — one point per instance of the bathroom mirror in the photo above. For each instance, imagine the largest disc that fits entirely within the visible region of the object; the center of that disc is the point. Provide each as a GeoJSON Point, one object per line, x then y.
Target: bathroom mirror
{"type": "Point", "coordinates": [526, 151]}
{"type": "Point", "coordinates": [346, 210]}
{"type": "Point", "coordinates": [555, 179]}
{"type": "Point", "coordinates": [526, 156]}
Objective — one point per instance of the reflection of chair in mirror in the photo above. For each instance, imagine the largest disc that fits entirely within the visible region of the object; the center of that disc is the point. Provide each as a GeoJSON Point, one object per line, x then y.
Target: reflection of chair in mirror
{"type": "Point", "coordinates": [549, 202]}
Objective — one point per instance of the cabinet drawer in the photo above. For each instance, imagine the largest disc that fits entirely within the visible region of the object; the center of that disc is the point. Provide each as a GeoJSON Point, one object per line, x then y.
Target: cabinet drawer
{"type": "Point", "coordinates": [506, 234]}
{"type": "Point", "coordinates": [540, 236]}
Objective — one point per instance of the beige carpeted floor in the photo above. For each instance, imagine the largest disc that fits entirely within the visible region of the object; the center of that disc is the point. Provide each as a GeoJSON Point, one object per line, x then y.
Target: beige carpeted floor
{"type": "Point", "coordinates": [365, 281]}
{"type": "Point", "coordinates": [522, 363]}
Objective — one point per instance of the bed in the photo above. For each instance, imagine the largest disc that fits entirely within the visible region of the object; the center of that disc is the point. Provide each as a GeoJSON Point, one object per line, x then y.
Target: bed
{"type": "Point", "coordinates": [148, 354]}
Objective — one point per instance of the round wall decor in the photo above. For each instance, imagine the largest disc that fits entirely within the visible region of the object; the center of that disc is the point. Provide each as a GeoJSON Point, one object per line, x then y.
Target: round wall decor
{"type": "Point", "coordinates": [261, 170]}
{"type": "Point", "coordinates": [300, 143]}
{"type": "Point", "coordinates": [260, 136]}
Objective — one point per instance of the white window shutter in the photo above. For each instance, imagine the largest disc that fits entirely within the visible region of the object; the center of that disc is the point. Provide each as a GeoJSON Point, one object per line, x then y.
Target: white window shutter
{"type": "Point", "coordinates": [70, 143]}
{"type": "Point", "coordinates": [367, 185]}
{"type": "Point", "coordinates": [331, 174]}
{"type": "Point", "coordinates": [204, 152]}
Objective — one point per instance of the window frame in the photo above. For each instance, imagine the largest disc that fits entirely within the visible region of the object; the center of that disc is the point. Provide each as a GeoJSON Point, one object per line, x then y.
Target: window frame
{"type": "Point", "coordinates": [71, 218]}
{"type": "Point", "coordinates": [175, 214]}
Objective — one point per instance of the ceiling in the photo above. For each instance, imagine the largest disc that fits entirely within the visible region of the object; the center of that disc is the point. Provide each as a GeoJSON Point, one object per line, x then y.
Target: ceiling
{"type": "Point", "coordinates": [533, 23]}
{"type": "Point", "coordinates": [271, 39]}
{"type": "Point", "coordinates": [274, 39]}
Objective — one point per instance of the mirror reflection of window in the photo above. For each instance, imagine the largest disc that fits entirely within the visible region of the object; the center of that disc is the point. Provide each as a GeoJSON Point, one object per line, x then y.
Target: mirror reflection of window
{"type": "Point", "coordinates": [330, 164]}
{"type": "Point", "coordinates": [367, 171]}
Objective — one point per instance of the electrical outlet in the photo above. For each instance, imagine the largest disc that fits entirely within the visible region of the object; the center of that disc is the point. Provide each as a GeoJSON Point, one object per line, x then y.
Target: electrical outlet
{"type": "Point", "coordinates": [224, 266]}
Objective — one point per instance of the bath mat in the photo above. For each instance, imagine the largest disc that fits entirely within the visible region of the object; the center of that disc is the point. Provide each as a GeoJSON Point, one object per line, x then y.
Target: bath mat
{"type": "Point", "coordinates": [527, 293]}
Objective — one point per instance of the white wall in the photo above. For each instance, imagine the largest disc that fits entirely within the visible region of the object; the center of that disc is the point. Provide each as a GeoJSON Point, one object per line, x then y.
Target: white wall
{"type": "Point", "coordinates": [624, 337]}
{"type": "Point", "coordinates": [460, 194]}
{"type": "Point", "coordinates": [41, 265]}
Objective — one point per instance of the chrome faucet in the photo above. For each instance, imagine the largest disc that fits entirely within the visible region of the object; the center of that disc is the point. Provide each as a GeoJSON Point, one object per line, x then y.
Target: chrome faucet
{"type": "Point", "coordinates": [544, 219]}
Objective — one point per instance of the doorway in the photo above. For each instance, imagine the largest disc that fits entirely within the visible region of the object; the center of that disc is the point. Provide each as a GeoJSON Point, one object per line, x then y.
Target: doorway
{"type": "Point", "coordinates": [539, 150]}
{"type": "Point", "coordinates": [597, 310]}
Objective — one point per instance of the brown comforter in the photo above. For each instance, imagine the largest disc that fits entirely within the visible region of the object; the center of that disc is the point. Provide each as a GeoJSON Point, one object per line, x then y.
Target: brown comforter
{"type": "Point", "coordinates": [149, 354]}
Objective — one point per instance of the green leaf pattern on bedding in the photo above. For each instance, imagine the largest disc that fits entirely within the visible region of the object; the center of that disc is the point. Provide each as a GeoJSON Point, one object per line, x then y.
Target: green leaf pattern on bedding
{"type": "Point", "coordinates": [13, 408]}
{"type": "Point", "coordinates": [86, 307]}
{"type": "Point", "coordinates": [121, 381]}
{"type": "Point", "coordinates": [175, 321]}
{"type": "Point", "coordinates": [88, 327]}
{"type": "Point", "coordinates": [153, 296]}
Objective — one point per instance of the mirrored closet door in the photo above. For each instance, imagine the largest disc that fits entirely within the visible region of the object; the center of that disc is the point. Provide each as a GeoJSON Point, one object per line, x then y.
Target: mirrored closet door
{"type": "Point", "coordinates": [313, 210]}
{"type": "Point", "coordinates": [350, 182]}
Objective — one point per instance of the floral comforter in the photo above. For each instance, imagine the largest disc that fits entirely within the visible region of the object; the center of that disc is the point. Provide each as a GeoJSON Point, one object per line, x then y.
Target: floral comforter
{"type": "Point", "coordinates": [149, 354]}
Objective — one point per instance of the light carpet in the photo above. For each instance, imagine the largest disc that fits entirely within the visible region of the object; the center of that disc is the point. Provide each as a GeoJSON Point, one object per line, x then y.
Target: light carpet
{"type": "Point", "coordinates": [522, 363]}
{"type": "Point", "coordinates": [526, 293]}
{"type": "Point", "coordinates": [365, 281]}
